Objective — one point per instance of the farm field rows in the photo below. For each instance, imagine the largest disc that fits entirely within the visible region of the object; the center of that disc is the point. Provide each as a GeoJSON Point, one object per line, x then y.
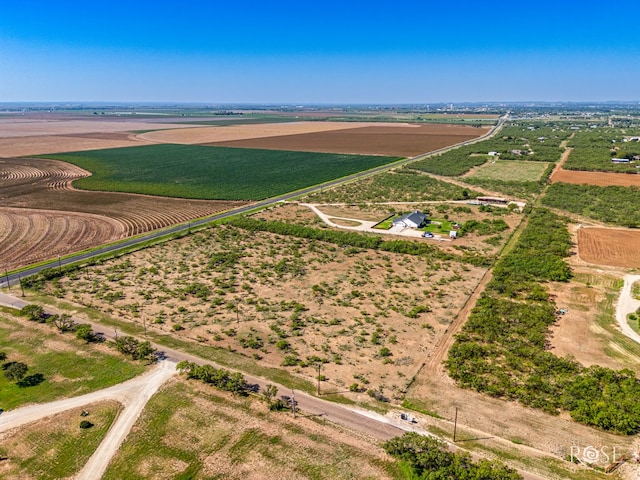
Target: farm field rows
{"type": "Point", "coordinates": [29, 236]}
{"type": "Point", "coordinates": [201, 135]}
{"type": "Point", "coordinates": [213, 173]}
{"type": "Point", "coordinates": [403, 140]}
{"type": "Point", "coordinates": [46, 217]}
{"type": "Point", "coordinates": [608, 246]}
{"type": "Point", "coordinates": [603, 179]}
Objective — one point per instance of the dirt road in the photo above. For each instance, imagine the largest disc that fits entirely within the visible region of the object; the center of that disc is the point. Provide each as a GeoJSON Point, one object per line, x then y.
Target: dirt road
{"type": "Point", "coordinates": [626, 305]}
{"type": "Point", "coordinates": [370, 423]}
{"type": "Point", "coordinates": [132, 394]}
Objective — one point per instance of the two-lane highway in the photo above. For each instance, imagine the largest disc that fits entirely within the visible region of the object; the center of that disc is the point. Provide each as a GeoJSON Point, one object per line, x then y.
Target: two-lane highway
{"type": "Point", "coordinates": [13, 277]}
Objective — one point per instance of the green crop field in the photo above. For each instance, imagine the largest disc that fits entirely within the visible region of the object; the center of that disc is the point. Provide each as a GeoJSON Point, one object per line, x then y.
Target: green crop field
{"type": "Point", "coordinates": [215, 173]}
{"type": "Point", "coordinates": [511, 171]}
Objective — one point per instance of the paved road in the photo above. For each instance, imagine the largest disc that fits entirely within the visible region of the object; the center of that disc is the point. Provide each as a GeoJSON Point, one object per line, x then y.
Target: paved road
{"type": "Point", "coordinates": [14, 278]}
{"type": "Point", "coordinates": [377, 426]}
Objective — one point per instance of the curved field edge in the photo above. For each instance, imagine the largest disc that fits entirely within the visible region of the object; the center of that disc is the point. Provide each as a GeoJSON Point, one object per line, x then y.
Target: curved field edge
{"type": "Point", "coordinates": [502, 349]}
{"type": "Point", "coordinates": [220, 173]}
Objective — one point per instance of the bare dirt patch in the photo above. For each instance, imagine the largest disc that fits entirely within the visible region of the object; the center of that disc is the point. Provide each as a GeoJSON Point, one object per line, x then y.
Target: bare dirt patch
{"type": "Point", "coordinates": [372, 140]}
{"type": "Point", "coordinates": [45, 217]}
{"type": "Point", "coordinates": [609, 246]}
{"type": "Point", "coordinates": [577, 332]}
{"type": "Point", "coordinates": [602, 179]}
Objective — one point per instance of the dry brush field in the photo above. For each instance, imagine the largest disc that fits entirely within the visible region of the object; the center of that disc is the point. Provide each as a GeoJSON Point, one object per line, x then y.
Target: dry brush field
{"type": "Point", "coordinates": [369, 316]}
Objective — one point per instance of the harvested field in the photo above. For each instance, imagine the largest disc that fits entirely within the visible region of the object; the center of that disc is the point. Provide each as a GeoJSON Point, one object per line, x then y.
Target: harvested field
{"type": "Point", "coordinates": [20, 137]}
{"type": "Point", "coordinates": [397, 140]}
{"type": "Point", "coordinates": [608, 246]}
{"type": "Point", "coordinates": [602, 179]}
{"type": "Point", "coordinates": [30, 127]}
{"type": "Point", "coordinates": [26, 146]}
{"type": "Point", "coordinates": [29, 236]}
{"type": "Point", "coordinates": [203, 135]}
{"type": "Point", "coordinates": [40, 209]}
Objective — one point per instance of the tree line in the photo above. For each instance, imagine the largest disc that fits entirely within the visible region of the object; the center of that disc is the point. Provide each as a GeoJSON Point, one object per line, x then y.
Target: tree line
{"type": "Point", "coordinates": [502, 349]}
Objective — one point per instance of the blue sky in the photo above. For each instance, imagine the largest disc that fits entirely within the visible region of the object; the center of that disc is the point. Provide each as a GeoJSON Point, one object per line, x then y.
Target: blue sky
{"type": "Point", "coordinates": [318, 52]}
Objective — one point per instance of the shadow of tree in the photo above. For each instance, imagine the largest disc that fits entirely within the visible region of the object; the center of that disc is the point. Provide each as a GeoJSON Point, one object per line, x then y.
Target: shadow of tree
{"type": "Point", "coordinates": [31, 380]}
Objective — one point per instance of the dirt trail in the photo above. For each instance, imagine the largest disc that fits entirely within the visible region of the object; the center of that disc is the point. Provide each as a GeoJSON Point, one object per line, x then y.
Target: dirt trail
{"type": "Point", "coordinates": [437, 356]}
{"type": "Point", "coordinates": [626, 305]}
{"type": "Point", "coordinates": [132, 394]}
{"type": "Point", "coordinates": [128, 393]}
{"type": "Point", "coordinates": [377, 426]}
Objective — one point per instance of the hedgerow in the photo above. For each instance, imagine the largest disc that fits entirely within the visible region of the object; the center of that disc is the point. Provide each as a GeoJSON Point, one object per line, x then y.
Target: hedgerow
{"type": "Point", "coordinates": [617, 205]}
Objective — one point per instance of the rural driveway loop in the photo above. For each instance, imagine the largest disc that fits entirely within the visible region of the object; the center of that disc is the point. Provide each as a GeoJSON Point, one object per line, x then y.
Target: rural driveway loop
{"type": "Point", "coordinates": [626, 305]}
{"type": "Point", "coordinates": [132, 394]}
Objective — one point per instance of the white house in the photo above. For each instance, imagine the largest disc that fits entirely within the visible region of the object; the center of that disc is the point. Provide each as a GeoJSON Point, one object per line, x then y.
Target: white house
{"type": "Point", "coordinates": [411, 220]}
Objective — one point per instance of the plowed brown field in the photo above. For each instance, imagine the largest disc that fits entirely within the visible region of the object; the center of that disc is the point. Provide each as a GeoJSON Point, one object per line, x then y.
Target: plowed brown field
{"type": "Point", "coordinates": [393, 140]}
{"type": "Point", "coordinates": [608, 246]}
{"type": "Point", "coordinates": [28, 236]}
{"type": "Point", "coordinates": [206, 135]}
{"type": "Point", "coordinates": [37, 199]}
{"type": "Point", "coordinates": [602, 179]}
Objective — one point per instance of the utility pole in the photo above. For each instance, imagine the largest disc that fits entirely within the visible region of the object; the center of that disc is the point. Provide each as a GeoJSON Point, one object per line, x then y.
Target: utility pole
{"type": "Point", "coordinates": [20, 282]}
{"type": "Point", "coordinates": [293, 403]}
{"type": "Point", "coordinates": [319, 365]}
{"type": "Point", "coordinates": [6, 274]}
{"type": "Point", "coordinates": [59, 264]}
{"type": "Point", "coordinates": [144, 321]}
{"type": "Point", "coordinates": [455, 425]}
